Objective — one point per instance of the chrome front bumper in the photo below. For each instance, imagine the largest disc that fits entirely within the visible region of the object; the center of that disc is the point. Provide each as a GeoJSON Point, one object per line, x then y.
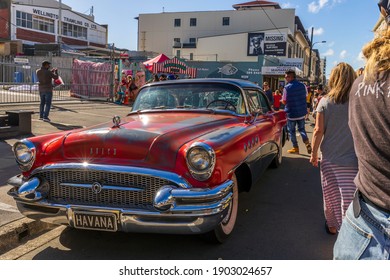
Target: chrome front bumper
{"type": "Point", "coordinates": [176, 210]}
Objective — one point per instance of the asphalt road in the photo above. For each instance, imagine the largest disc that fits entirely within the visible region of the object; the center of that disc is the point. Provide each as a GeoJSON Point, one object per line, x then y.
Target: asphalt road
{"type": "Point", "coordinates": [280, 219]}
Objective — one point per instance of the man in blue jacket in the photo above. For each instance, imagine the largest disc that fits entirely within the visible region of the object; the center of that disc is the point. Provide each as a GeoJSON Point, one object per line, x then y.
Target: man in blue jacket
{"type": "Point", "coordinates": [294, 99]}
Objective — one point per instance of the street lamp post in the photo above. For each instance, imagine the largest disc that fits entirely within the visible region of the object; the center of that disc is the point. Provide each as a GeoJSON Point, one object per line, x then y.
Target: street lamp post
{"type": "Point", "coordinates": [311, 49]}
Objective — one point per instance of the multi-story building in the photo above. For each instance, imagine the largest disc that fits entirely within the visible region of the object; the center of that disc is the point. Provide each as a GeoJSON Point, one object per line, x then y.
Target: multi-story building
{"type": "Point", "coordinates": [34, 22]}
{"type": "Point", "coordinates": [249, 31]}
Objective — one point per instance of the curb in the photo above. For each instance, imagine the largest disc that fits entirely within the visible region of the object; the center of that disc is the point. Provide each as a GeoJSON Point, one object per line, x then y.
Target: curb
{"type": "Point", "coordinates": [14, 233]}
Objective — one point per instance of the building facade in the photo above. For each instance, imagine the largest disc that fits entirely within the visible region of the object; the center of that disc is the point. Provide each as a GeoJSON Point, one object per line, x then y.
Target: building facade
{"type": "Point", "coordinates": [50, 22]}
{"type": "Point", "coordinates": [250, 30]}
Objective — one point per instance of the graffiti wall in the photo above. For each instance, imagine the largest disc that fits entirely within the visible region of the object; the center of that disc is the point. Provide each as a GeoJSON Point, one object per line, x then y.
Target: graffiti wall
{"type": "Point", "coordinates": [236, 70]}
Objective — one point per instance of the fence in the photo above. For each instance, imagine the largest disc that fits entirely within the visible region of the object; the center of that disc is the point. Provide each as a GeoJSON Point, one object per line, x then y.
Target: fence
{"type": "Point", "coordinates": [82, 79]}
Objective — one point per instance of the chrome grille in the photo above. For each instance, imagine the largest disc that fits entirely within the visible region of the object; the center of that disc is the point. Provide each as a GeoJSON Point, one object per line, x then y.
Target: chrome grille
{"type": "Point", "coordinates": [111, 198]}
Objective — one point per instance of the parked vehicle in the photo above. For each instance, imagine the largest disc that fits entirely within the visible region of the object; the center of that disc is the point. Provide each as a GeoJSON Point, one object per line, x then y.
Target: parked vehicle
{"type": "Point", "coordinates": [175, 164]}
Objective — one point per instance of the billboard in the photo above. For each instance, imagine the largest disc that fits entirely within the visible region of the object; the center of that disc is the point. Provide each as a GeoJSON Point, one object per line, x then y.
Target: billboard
{"type": "Point", "coordinates": [266, 44]}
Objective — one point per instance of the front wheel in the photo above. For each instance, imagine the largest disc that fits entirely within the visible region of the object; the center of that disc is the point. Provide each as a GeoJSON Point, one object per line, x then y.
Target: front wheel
{"type": "Point", "coordinates": [225, 228]}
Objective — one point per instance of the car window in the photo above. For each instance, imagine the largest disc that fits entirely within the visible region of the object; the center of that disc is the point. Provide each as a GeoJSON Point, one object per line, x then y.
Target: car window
{"type": "Point", "coordinates": [257, 101]}
{"type": "Point", "coordinates": [191, 96]}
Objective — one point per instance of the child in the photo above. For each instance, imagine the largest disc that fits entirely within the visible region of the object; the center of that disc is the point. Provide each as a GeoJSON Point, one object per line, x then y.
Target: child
{"type": "Point", "coordinates": [277, 98]}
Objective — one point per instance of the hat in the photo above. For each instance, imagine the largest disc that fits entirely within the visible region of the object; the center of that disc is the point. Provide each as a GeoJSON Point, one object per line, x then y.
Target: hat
{"type": "Point", "coordinates": [46, 62]}
{"type": "Point", "coordinates": [320, 87]}
{"type": "Point", "coordinates": [385, 4]}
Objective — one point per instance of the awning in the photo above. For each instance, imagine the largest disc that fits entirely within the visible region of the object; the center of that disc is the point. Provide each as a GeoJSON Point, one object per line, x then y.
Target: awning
{"type": "Point", "coordinates": [158, 59]}
{"type": "Point", "coordinates": [174, 66]}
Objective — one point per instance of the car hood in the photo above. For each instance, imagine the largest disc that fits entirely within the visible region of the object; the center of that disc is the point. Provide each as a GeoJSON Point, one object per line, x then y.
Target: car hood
{"type": "Point", "coordinates": [145, 138]}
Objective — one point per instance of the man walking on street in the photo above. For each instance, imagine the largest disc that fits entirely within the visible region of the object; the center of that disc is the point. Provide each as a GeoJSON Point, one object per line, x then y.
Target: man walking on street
{"type": "Point", "coordinates": [268, 93]}
{"type": "Point", "coordinates": [294, 98]}
{"type": "Point", "coordinates": [45, 77]}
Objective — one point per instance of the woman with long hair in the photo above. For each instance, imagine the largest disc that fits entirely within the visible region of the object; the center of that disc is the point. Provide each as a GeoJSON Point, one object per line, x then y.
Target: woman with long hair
{"type": "Point", "coordinates": [332, 135]}
{"type": "Point", "coordinates": [365, 232]}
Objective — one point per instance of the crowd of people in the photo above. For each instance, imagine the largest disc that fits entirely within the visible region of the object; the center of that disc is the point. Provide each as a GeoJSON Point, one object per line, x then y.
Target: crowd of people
{"type": "Point", "coordinates": [350, 144]}
{"type": "Point", "coordinates": [351, 133]}
{"type": "Point", "coordinates": [126, 90]}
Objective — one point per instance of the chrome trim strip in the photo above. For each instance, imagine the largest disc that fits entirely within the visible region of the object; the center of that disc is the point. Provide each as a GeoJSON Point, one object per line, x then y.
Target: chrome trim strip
{"type": "Point", "coordinates": [180, 181]}
{"type": "Point", "coordinates": [105, 187]}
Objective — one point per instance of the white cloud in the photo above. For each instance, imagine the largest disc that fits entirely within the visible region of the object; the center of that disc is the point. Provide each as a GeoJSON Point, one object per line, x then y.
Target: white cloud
{"type": "Point", "coordinates": [318, 31]}
{"type": "Point", "coordinates": [360, 57]}
{"type": "Point", "coordinates": [331, 44]}
{"type": "Point", "coordinates": [329, 52]}
{"type": "Point", "coordinates": [343, 54]}
{"type": "Point", "coordinates": [315, 7]}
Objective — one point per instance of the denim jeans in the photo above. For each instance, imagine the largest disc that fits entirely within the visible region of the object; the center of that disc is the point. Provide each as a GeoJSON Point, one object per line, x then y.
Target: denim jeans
{"type": "Point", "coordinates": [366, 237]}
{"type": "Point", "coordinates": [44, 107]}
{"type": "Point", "coordinates": [301, 128]}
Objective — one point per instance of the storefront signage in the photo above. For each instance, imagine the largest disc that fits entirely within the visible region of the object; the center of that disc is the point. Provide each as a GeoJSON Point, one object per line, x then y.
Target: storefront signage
{"type": "Point", "coordinates": [279, 70]}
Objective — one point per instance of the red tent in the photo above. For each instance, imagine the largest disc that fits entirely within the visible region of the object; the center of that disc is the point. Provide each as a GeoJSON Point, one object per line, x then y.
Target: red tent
{"type": "Point", "coordinates": [158, 59]}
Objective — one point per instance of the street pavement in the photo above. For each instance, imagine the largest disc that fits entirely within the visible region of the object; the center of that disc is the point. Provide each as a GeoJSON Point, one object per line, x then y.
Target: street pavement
{"type": "Point", "coordinates": [64, 115]}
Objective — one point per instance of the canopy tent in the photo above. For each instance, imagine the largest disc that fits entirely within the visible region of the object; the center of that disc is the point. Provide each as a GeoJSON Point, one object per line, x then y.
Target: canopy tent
{"type": "Point", "coordinates": [158, 59]}
{"type": "Point", "coordinates": [174, 66]}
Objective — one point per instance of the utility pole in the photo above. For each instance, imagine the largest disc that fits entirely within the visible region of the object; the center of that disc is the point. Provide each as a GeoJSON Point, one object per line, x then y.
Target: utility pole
{"type": "Point", "coordinates": [59, 35]}
{"type": "Point", "coordinates": [311, 48]}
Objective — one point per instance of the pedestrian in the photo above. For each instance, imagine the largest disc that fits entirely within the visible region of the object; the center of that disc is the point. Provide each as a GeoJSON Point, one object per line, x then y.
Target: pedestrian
{"type": "Point", "coordinates": [132, 89]}
{"type": "Point", "coordinates": [277, 99]}
{"type": "Point", "coordinates": [294, 98]}
{"type": "Point", "coordinates": [268, 93]}
{"type": "Point", "coordinates": [338, 162]}
{"type": "Point", "coordinates": [45, 80]}
{"type": "Point", "coordinates": [365, 232]}
{"type": "Point", "coordinates": [309, 101]}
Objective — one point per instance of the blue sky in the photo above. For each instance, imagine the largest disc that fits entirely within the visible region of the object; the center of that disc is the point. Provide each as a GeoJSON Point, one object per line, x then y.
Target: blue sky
{"type": "Point", "coordinates": [346, 25]}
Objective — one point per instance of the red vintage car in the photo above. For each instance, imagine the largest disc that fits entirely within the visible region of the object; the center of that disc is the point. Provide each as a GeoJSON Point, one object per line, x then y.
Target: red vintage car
{"type": "Point", "coordinates": [175, 164]}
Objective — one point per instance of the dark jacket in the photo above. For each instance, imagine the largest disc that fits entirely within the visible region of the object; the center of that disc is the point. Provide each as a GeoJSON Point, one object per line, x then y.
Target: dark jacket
{"type": "Point", "coordinates": [295, 100]}
{"type": "Point", "coordinates": [45, 77]}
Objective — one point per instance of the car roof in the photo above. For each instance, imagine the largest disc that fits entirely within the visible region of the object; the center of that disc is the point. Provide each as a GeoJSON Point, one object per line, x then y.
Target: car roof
{"type": "Point", "coordinates": [236, 82]}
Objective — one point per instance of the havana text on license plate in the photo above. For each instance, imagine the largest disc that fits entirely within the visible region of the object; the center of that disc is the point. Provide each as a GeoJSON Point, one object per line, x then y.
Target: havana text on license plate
{"type": "Point", "coordinates": [96, 221]}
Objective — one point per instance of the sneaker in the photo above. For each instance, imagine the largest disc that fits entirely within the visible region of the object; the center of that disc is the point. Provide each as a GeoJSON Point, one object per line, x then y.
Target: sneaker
{"type": "Point", "coordinates": [308, 147]}
{"type": "Point", "coordinates": [46, 120]}
{"type": "Point", "coordinates": [294, 150]}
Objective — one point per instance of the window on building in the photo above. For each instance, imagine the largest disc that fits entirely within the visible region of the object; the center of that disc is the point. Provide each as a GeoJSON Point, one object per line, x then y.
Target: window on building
{"type": "Point", "coordinates": [34, 22]}
{"type": "Point", "coordinates": [23, 19]}
{"type": "Point", "coordinates": [192, 40]}
{"type": "Point", "coordinates": [225, 21]}
{"type": "Point", "coordinates": [192, 21]}
{"type": "Point", "coordinates": [176, 40]}
{"type": "Point", "coordinates": [43, 24]}
{"type": "Point", "coordinates": [74, 31]}
{"type": "Point", "coordinates": [177, 22]}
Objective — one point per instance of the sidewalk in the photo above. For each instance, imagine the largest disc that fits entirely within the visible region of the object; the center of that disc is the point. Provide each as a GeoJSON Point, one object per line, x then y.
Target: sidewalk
{"type": "Point", "coordinates": [65, 115]}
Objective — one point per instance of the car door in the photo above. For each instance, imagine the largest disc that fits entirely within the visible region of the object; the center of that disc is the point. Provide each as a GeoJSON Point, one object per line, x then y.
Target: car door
{"type": "Point", "coordinates": [264, 121]}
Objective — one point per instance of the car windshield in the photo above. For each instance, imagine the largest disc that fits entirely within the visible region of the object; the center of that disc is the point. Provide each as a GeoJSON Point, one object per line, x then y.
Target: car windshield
{"type": "Point", "coordinates": [191, 96]}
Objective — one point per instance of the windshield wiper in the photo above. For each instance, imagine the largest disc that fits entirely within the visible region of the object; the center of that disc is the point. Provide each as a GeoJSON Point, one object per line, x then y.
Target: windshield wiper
{"type": "Point", "coordinates": [159, 107]}
{"type": "Point", "coordinates": [184, 106]}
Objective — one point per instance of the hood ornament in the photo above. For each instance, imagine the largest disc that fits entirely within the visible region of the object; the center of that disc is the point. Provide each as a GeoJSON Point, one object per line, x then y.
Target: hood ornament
{"type": "Point", "coordinates": [116, 121]}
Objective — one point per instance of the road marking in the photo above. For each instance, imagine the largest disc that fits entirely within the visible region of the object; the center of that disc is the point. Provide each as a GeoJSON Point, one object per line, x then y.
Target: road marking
{"type": "Point", "coordinates": [7, 207]}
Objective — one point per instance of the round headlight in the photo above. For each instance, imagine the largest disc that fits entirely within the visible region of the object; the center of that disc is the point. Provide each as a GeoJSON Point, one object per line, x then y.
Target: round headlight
{"type": "Point", "coordinates": [200, 161]}
{"type": "Point", "coordinates": [24, 153]}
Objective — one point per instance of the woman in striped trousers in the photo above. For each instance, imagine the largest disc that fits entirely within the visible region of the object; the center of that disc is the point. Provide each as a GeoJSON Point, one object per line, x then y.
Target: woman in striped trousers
{"type": "Point", "coordinates": [333, 137]}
